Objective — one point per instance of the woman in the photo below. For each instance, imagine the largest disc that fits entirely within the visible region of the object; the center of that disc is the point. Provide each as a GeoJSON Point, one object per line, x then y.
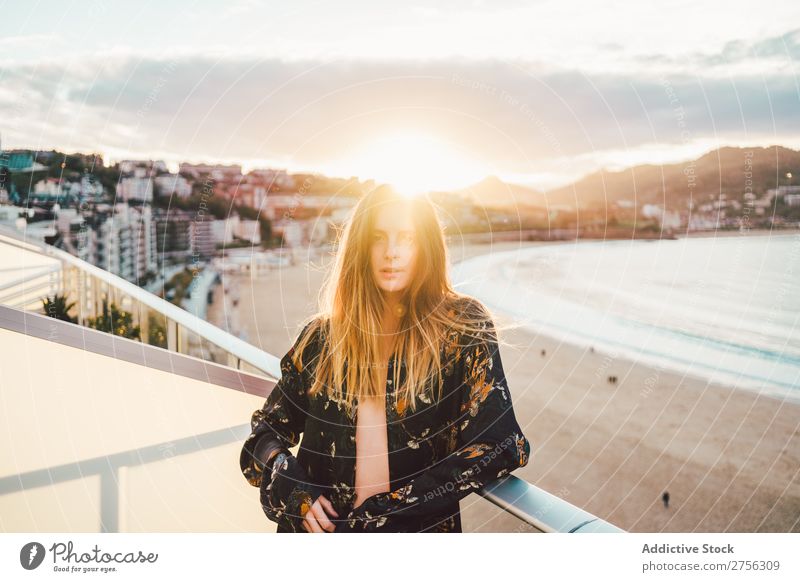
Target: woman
{"type": "Point", "coordinates": [421, 419]}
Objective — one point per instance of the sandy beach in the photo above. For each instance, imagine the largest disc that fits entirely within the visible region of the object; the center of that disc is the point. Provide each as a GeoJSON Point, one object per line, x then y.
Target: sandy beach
{"type": "Point", "coordinates": [730, 459]}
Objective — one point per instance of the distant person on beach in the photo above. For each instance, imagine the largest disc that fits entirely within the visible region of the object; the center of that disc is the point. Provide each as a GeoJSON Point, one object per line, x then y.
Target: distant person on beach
{"type": "Point", "coordinates": [421, 416]}
{"type": "Point", "coordinates": [665, 499]}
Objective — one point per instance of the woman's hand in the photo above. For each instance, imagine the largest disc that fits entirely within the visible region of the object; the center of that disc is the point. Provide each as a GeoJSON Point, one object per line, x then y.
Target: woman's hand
{"type": "Point", "coordinates": [316, 520]}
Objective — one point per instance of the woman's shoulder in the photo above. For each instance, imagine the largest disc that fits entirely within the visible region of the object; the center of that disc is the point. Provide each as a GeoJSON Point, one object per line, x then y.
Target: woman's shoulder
{"type": "Point", "coordinates": [463, 306]}
{"type": "Point", "coordinates": [471, 313]}
{"type": "Point", "coordinates": [475, 323]}
{"type": "Point", "coordinates": [308, 342]}
{"type": "Point", "coordinates": [311, 327]}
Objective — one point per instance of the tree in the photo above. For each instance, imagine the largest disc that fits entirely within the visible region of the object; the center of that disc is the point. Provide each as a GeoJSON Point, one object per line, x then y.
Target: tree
{"type": "Point", "coordinates": [58, 308]}
{"type": "Point", "coordinates": [265, 226]}
{"type": "Point", "coordinates": [115, 321]}
{"type": "Point", "coordinates": [157, 331]}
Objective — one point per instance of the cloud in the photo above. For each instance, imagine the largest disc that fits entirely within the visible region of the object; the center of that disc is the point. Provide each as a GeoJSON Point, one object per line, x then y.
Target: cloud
{"type": "Point", "coordinates": [780, 49]}
{"type": "Point", "coordinates": [520, 116]}
{"type": "Point", "coordinates": [786, 45]}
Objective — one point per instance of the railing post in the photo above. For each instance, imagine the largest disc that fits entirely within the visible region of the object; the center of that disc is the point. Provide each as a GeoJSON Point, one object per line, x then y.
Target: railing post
{"type": "Point", "coordinates": [95, 300]}
{"type": "Point", "coordinates": [80, 298]}
{"type": "Point", "coordinates": [109, 500]}
{"type": "Point", "coordinates": [172, 335]}
{"type": "Point", "coordinates": [143, 319]}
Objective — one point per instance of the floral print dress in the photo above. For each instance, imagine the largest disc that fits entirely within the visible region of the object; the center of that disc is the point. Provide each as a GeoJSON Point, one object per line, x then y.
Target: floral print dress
{"type": "Point", "coordinates": [438, 453]}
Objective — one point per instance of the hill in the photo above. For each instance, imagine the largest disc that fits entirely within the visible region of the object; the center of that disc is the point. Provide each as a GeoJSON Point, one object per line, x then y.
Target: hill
{"type": "Point", "coordinates": [725, 170]}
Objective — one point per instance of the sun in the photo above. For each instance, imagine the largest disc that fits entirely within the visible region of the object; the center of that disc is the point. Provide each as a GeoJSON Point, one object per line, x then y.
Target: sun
{"type": "Point", "coordinates": [415, 163]}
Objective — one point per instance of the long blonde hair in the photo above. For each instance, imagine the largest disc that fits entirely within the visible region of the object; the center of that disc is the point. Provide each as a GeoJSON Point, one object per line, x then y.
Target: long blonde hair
{"type": "Point", "coordinates": [352, 306]}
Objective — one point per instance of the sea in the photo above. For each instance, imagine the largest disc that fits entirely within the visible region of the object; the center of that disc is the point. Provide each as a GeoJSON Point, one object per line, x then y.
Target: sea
{"type": "Point", "coordinates": [724, 308]}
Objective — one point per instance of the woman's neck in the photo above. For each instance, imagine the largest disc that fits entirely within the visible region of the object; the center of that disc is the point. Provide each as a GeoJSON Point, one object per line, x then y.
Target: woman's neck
{"type": "Point", "coordinates": [389, 327]}
{"type": "Point", "coordinates": [392, 313]}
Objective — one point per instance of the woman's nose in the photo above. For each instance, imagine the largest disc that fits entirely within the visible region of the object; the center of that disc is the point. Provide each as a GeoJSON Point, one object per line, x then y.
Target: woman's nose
{"type": "Point", "coordinates": [391, 249]}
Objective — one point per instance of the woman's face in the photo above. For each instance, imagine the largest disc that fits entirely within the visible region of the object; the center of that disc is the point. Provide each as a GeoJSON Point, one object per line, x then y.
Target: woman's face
{"type": "Point", "coordinates": [394, 247]}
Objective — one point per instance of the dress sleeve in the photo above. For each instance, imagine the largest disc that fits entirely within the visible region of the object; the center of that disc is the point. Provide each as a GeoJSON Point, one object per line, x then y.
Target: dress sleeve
{"type": "Point", "coordinates": [287, 493]}
{"type": "Point", "coordinates": [490, 445]}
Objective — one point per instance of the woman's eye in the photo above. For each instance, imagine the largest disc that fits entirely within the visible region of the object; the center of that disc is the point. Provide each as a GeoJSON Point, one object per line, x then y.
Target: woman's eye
{"type": "Point", "coordinates": [403, 238]}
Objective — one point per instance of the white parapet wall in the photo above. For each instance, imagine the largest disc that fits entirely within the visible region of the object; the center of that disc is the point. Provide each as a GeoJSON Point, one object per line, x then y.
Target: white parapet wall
{"type": "Point", "coordinates": [103, 444]}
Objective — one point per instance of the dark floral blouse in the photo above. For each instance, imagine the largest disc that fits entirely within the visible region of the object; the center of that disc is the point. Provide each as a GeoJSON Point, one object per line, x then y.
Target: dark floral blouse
{"type": "Point", "coordinates": [437, 454]}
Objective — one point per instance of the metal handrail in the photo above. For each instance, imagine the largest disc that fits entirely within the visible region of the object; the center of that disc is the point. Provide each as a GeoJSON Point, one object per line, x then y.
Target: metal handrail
{"type": "Point", "coordinates": [544, 511]}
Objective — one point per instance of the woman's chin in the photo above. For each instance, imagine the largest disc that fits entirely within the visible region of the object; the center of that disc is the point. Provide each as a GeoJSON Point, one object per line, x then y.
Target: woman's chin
{"type": "Point", "coordinates": [392, 288]}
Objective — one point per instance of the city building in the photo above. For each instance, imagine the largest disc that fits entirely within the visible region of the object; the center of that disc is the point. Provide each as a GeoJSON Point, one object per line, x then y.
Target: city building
{"type": "Point", "coordinates": [201, 238]}
{"type": "Point", "coordinates": [273, 179]}
{"type": "Point", "coordinates": [173, 185]}
{"type": "Point", "coordinates": [131, 166]}
{"type": "Point", "coordinates": [135, 188]}
{"type": "Point", "coordinates": [249, 230]}
{"type": "Point", "coordinates": [47, 188]}
{"type": "Point", "coordinates": [224, 230]}
{"type": "Point", "coordinates": [216, 171]}
{"type": "Point", "coordinates": [126, 242]}
{"type": "Point", "coordinates": [172, 235]}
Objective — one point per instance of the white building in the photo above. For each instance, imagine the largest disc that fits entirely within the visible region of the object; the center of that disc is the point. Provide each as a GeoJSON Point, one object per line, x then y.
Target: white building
{"type": "Point", "coordinates": [216, 171]}
{"type": "Point", "coordinates": [792, 199]}
{"type": "Point", "coordinates": [783, 191]}
{"type": "Point", "coordinates": [173, 184]}
{"type": "Point", "coordinates": [291, 230]}
{"type": "Point", "coordinates": [134, 166]}
{"type": "Point", "coordinates": [78, 237]}
{"type": "Point", "coordinates": [256, 198]}
{"type": "Point", "coordinates": [319, 231]}
{"type": "Point", "coordinates": [223, 230]}
{"type": "Point", "coordinates": [90, 187]}
{"type": "Point", "coordinates": [135, 188]}
{"type": "Point", "coordinates": [114, 248]}
{"type": "Point", "coordinates": [144, 236]}
{"type": "Point", "coordinates": [13, 216]}
{"type": "Point", "coordinates": [665, 218]}
{"type": "Point", "coordinates": [201, 239]}
{"type": "Point", "coordinates": [249, 230]}
{"type": "Point", "coordinates": [48, 187]}
{"type": "Point", "coordinates": [126, 242]}
{"type": "Point", "coordinates": [39, 231]}
{"type": "Point", "coordinates": [702, 222]}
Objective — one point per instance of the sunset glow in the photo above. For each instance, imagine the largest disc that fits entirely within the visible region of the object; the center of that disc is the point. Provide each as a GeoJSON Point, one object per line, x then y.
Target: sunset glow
{"type": "Point", "coordinates": [414, 163]}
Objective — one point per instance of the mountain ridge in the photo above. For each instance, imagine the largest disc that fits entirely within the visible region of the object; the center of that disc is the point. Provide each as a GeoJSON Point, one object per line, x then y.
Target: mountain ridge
{"type": "Point", "coordinates": [723, 170]}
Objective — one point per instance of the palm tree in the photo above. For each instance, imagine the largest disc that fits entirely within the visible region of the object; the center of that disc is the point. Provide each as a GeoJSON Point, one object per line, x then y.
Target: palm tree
{"type": "Point", "coordinates": [157, 332]}
{"type": "Point", "coordinates": [58, 308]}
{"type": "Point", "coordinates": [115, 321]}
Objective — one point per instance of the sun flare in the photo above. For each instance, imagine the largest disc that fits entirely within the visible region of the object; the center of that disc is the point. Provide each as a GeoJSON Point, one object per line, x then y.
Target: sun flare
{"type": "Point", "coordinates": [415, 164]}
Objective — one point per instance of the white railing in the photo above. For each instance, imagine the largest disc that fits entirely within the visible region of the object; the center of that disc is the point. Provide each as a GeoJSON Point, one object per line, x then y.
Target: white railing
{"type": "Point", "coordinates": [162, 323]}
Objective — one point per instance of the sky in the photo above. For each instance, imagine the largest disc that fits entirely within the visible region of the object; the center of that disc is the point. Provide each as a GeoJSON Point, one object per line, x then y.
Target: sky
{"type": "Point", "coordinates": [436, 94]}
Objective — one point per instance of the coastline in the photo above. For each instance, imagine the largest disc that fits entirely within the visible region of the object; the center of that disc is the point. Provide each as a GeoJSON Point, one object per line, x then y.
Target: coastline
{"type": "Point", "coordinates": [727, 457]}
{"type": "Point", "coordinates": [750, 232]}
